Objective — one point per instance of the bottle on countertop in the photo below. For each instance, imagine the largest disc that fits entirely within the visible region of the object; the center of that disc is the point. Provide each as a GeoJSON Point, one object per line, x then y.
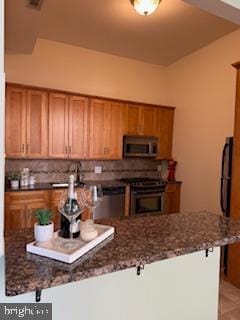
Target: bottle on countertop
{"type": "Point", "coordinates": [32, 180]}
{"type": "Point", "coordinates": [24, 182]}
{"type": "Point", "coordinates": [71, 207]}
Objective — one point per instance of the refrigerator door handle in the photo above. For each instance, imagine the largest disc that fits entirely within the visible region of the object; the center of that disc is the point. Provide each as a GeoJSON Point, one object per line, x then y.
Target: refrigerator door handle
{"type": "Point", "coordinates": [222, 206]}
{"type": "Point", "coordinates": [223, 158]}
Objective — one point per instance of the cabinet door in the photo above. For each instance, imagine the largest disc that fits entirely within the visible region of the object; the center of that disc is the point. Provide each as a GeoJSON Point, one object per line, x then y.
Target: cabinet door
{"type": "Point", "coordinates": [98, 135]}
{"type": "Point", "coordinates": [15, 139]}
{"type": "Point", "coordinates": [20, 206]}
{"type": "Point", "coordinates": [148, 121]}
{"type": "Point", "coordinates": [35, 200]}
{"type": "Point", "coordinates": [15, 217]}
{"type": "Point", "coordinates": [172, 198]}
{"type": "Point", "coordinates": [115, 130]}
{"type": "Point", "coordinates": [164, 127]}
{"type": "Point", "coordinates": [37, 124]}
{"type": "Point", "coordinates": [132, 119]}
{"type": "Point", "coordinates": [78, 127]}
{"type": "Point", "coordinates": [58, 125]}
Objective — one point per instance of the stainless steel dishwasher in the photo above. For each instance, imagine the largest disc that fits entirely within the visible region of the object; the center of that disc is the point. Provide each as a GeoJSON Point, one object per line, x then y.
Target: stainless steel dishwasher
{"type": "Point", "coordinates": [112, 204]}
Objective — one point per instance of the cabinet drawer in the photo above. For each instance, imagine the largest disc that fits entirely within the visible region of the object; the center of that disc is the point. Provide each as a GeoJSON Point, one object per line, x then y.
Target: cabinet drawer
{"type": "Point", "coordinates": [172, 187]}
{"type": "Point", "coordinates": [26, 197]}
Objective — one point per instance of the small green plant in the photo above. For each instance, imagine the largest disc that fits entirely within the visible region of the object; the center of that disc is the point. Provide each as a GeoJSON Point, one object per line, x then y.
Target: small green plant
{"type": "Point", "coordinates": [14, 175]}
{"type": "Point", "coordinates": [43, 216]}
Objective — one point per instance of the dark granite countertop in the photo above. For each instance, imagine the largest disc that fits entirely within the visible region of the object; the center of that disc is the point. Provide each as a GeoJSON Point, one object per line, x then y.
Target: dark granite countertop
{"type": "Point", "coordinates": [137, 241]}
{"type": "Point", "coordinates": [48, 185]}
{"type": "Point", "coordinates": [35, 187]}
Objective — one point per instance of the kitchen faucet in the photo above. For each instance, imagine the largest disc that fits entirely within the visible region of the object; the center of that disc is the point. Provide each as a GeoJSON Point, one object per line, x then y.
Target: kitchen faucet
{"type": "Point", "coordinates": [79, 172]}
{"type": "Point", "coordinates": [77, 169]}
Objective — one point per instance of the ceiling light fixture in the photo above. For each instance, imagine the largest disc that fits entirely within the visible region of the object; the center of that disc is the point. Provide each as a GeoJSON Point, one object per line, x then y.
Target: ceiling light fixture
{"type": "Point", "coordinates": [145, 7]}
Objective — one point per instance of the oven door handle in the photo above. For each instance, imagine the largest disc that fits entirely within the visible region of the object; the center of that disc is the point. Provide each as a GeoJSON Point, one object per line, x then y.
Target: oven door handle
{"type": "Point", "coordinates": [154, 193]}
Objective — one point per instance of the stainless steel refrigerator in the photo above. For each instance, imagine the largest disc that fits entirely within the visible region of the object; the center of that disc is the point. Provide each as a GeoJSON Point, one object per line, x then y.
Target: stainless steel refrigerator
{"type": "Point", "coordinates": [226, 175]}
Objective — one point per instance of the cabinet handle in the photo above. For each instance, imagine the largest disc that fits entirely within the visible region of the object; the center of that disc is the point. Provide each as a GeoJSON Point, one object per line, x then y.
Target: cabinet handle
{"type": "Point", "coordinates": [108, 150]}
{"type": "Point", "coordinates": [104, 150]}
{"type": "Point", "coordinates": [22, 148]}
{"type": "Point", "coordinates": [70, 149]}
{"type": "Point", "coordinates": [27, 148]}
{"type": "Point", "coordinates": [66, 149]}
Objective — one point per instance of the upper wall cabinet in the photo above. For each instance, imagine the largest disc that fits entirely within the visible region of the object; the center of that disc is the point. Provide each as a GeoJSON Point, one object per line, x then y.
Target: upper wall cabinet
{"type": "Point", "coordinates": [26, 123]}
{"type": "Point", "coordinates": [43, 124]}
{"type": "Point", "coordinates": [106, 129]}
{"type": "Point", "coordinates": [58, 125]}
{"type": "Point", "coordinates": [68, 126]}
{"type": "Point", "coordinates": [78, 127]}
{"type": "Point", "coordinates": [140, 120]}
{"type": "Point", "coordinates": [164, 131]}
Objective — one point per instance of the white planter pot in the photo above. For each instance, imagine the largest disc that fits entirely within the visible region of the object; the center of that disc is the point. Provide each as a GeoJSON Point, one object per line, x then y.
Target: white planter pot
{"type": "Point", "coordinates": [14, 184]}
{"type": "Point", "coordinates": [43, 233]}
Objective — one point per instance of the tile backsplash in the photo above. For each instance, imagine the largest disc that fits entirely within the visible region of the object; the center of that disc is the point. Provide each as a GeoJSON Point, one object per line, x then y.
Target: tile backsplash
{"type": "Point", "coordinates": [58, 170]}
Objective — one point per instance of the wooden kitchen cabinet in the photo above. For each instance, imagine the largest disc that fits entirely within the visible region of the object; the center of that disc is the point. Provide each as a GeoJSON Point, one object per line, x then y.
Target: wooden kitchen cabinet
{"type": "Point", "coordinates": [26, 123]}
{"type": "Point", "coordinates": [140, 120]}
{"type": "Point", "coordinates": [78, 127]}
{"type": "Point", "coordinates": [115, 130]}
{"type": "Point", "coordinates": [37, 124]}
{"type": "Point", "coordinates": [164, 132]}
{"type": "Point", "coordinates": [15, 137]}
{"type": "Point", "coordinates": [148, 121]}
{"type": "Point", "coordinates": [98, 131]}
{"type": "Point", "coordinates": [106, 129]}
{"type": "Point", "coordinates": [19, 208]}
{"type": "Point", "coordinates": [47, 124]}
{"type": "Point", "coordinates": [58, 125]}
{"type": "Point", "coordinates": [68, 126]}
{"type": "Point", "coordinates": [132, 119]}
{"type": "Point", "coordinates": [172, 198]}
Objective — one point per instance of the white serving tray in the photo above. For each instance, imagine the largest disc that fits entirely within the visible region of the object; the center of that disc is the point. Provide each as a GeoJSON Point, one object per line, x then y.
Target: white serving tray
{"type": "Point", "coordinates": [55, 248]}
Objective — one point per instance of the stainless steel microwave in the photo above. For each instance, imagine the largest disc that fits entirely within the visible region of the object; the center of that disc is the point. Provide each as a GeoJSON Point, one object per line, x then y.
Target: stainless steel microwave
{"type": "Point", "coordinates": [139, 147]}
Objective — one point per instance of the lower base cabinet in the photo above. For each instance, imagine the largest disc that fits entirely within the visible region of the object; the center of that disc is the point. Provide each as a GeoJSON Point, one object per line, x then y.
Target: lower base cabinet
{"type": "Point", "coordinates": [20, 206]}
{"type": "Point", "coordinates": [172, 198]}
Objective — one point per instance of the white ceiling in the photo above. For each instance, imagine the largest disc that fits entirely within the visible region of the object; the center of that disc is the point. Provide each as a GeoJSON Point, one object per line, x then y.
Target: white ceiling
{"type": "Point", "coordinates": [112, 26]}
{"type": "Point", "coordinates": [227, 9]}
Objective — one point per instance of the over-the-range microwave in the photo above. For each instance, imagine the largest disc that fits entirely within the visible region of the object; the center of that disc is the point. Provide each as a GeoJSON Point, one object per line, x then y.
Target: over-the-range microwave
{"type": "Point", "coordinates": [139, 147]}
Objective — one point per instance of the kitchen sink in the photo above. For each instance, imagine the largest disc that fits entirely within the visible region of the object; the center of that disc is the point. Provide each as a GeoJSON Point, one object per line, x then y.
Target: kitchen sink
{"type": "Point", "coordinates": [65, 185]}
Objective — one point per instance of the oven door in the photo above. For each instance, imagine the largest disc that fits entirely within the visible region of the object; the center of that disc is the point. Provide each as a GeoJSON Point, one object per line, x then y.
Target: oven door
{"type": "Point", "coordinates": [147, 201]}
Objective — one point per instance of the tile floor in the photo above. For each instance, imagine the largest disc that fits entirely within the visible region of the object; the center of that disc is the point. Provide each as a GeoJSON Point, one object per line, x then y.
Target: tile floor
{"type": "Point", "coordinates": [229, 304]}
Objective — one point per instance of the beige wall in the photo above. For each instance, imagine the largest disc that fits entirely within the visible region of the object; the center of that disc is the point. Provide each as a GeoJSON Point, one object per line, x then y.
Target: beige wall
{"type": "Point", "coordinates": [62, 66]}
{"type": "Point", "coordinates": [202, 86]}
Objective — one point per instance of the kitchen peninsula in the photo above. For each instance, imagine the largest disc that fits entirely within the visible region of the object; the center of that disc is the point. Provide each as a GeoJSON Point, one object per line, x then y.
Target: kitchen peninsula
{"type": "Point", "coordinates": [164, 250]}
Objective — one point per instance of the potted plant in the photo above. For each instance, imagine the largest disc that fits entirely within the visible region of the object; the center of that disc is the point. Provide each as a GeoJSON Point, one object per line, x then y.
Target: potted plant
{"type": "Point", "coordinates": [43, 228]}
{"type": "Point", "coordinates": [14, 177]}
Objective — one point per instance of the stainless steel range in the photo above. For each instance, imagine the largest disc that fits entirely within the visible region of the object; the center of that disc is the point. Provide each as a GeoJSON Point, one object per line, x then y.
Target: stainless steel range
{"type": "Point", "coordinates": [147, 195]}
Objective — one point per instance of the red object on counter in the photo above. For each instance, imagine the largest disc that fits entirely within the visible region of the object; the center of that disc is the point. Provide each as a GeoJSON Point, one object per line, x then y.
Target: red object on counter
{"type": "Point", "coordinates": [171, 170]}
